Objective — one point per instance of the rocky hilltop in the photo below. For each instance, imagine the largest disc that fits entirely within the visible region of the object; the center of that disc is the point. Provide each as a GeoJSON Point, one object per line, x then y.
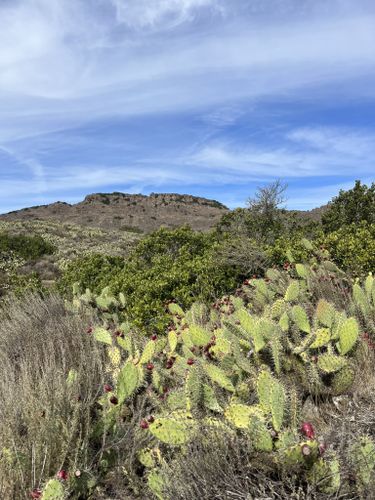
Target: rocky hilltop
{"type": "Point", "coordinates": [131, 212]}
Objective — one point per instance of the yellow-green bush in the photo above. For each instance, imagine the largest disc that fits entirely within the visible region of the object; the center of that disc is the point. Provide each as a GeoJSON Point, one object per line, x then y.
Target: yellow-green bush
{"type": "Point", "coordinates": [352, 247]}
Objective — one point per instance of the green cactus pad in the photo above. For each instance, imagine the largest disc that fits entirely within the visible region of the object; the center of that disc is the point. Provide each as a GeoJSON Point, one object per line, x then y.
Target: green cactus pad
{"type": "Point", "coordinates": [199, 336]}
{"type": "Point", "coordinates": [301, 319]}
{"type": "Point", "coordinates": [218, 376]}
{"type": "Point", "coordinates": [209, 399]}
{"type": "Point", "coordinates": [222, 346]}
{"type": "Point", "coordinates": [322, 338]}
{"type": "Point", "coordinates": [53, 490]}
{"type": "Point", "coordinates": [147, 458]}
{"type": "Point", "coordinates": [292, 292]}
{"type": "Point", "coordinates": [259, 434]}
{"type": "Point", "coordinates": [127, 381]}
{"type": "Point", "coordinates": [325, 313]}
{"type": "Point", "coordinates": [362, 456]}
{"type": "Point", "coordinates": [172, 340]}
{"type": "Point", "coordinates": [284, 322]}
{"type": "Point", "coordinates": [148, 352]}
{"type": "Point", "coordinates": [277, 308]}
{"type": "Point", "coordinates": [265, 382]}
{"type": "Point", "coordinates": [360, 299]}
{"type": "Point", "coordinates": [302, 270]}
{"type": "Point", "coordinates": [239, 414]}
{"type": "Point", "coordinates": [252, 328]}
{"type": "Point", "coordinates": [174, 431]}
{"type": "Point", "coordinates": [348, 335]}
{"type": "Point", "coordinates": [156, 484]}
{"type": "Point", "coordinates": [329, 363]}
{"type": "Point", "coordinates": [342, 380]}
{"type": "Point", "coordinates": [176, 309]}
{"type": "Point", "coordinates": [103, 335]}
{"type": "Point", "coordinates": [277, 404]}
{"type": "Point", "coordinates": [325, 474]}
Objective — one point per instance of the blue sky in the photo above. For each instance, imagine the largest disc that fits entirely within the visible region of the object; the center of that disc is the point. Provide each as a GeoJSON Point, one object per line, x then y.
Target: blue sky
{"type": "Point", "coordinates": [207, 97]}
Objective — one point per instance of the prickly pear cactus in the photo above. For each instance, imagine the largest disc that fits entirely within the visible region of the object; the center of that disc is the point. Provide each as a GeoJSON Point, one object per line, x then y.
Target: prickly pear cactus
{"type": "Point", "coordinates": [362, 457]}
{"type": "Point", "coordinates": [53, 490]}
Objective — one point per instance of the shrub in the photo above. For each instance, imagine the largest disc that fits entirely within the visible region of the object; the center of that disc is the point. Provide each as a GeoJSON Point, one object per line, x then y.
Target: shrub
{"type": "Point", "coordinates": [27, 247]}
{"type": "Point", "coordinates": [352, 247]}
{"type": "Point", "coordinates": [350, 207]}
{"type": "Point", "coordinates": [91, 271]}
{"type": "Point", "coordinates": [175, 264]}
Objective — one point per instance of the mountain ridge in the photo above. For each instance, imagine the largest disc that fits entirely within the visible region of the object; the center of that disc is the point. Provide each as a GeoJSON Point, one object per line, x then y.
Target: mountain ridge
{"type": "Point", "coordinates": [136, 212]}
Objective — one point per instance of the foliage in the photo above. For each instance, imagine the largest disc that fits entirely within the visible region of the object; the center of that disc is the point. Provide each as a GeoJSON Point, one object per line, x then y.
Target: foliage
{"type": "Point", "coordinates": [26, 247]}
{"type": "Point", "coordinates": [265, 221]}
{"type": "Point", "coordinates": [91, 271]}
{"type": "Point", "coordinates": [352, 247]}
{"type": "Point", "coordinates": [350, 207]}
{"type": "Point", "coordinates": [240, 368]}
{"type": "Point", "coordinates": [178, 264]}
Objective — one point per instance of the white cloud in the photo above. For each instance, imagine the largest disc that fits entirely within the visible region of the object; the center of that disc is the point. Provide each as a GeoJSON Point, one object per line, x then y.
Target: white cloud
{"type": "Point", "coordinates": [65, 64]}
{"type": "Point", "coordinates": [331, 152]}
{"type": "Point", "coordinates": [153, 13]}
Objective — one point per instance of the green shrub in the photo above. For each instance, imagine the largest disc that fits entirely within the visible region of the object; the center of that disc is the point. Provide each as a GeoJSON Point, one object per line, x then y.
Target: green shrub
{"type": "Point", "coordinates": [175, 264]}
{"type": "Point", "coordinates": [352, 247]}
{"type": "Point", "coordinates": [350, 207]}
{"type": "Point", "coordinates": [27, 247]}
{"type": "Point", "coordinates": [91, 271]}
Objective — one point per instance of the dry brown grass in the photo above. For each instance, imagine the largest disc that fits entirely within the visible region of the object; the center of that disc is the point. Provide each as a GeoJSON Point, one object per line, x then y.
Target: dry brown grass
{"type": "Point", "coordinates": [45, 422]}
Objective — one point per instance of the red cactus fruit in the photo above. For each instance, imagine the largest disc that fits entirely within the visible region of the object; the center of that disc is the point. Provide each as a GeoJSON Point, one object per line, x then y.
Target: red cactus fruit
{"type": "Point", "coordinates": [90, 329]}
{"type": "Point", "coordinates": [154, 336]}
{"type": "Point", "coordinates": [144, 424]}
{"type": "Point", "coordinates": [114, 400]}
{"type": "Point", "coordinates": [108, 388]}
{"type": "Point", "coordinates": [308, 430]}
{"type": "Point", "coordinates": [190, 361]}
{"type": "Point", "coordinates": [150, 366]}
{"type": "Point", "coordinates": [62, 475]}
{"type": "Point", "coordinates": [36, 493]}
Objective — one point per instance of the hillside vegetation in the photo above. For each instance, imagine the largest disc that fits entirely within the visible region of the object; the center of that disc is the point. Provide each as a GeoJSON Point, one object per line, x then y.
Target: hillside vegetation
{"type": "Point", "coordinates": [230, 364]}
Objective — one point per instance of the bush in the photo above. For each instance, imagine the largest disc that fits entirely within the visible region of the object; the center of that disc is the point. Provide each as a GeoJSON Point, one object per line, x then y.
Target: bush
{"type": "Point", "coordinates": [353, 247]}
{"type": "Point", "coordinates": [350, 207]}
{"type": "Point", "coordinates": [175, 264]}
{"type": "Point", "coordinates": [91, 271]}
{"type": "Point", "coordinates": [27, 247]}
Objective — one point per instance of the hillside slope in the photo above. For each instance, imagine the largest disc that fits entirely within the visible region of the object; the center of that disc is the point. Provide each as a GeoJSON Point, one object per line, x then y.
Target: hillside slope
{"type": "Point", "coordinates": [135, 212]}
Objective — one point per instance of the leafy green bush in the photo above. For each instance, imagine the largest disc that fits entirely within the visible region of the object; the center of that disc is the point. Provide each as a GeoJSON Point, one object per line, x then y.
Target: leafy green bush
{"type": "Point", "coordinates": [352, 247]}
{"type": "Point", "coordinates": [350, 207]}
{"type": "Point", "coordinates": [175, 264]}
{"type": "Point", "coordinates": [280, 252]}
{"type": "Point", "coordinates": [27, 247]}
{"type": "Point", "coordinates": [91, 271]}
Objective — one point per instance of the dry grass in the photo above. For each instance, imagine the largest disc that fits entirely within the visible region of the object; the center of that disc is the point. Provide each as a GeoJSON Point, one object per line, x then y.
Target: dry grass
{"type": "Point", "coordinates": [45, 422]}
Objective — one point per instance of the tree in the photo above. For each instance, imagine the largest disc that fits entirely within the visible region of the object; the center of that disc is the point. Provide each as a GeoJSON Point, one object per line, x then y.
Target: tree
{"type": "Point", "coordinates": [264, 218]}
{"type": "Point", "coordinates": [350, 207]}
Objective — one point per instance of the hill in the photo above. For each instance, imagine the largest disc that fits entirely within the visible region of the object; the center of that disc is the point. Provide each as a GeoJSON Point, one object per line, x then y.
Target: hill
{"type": "Point", "coordinates": [128, 212]}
